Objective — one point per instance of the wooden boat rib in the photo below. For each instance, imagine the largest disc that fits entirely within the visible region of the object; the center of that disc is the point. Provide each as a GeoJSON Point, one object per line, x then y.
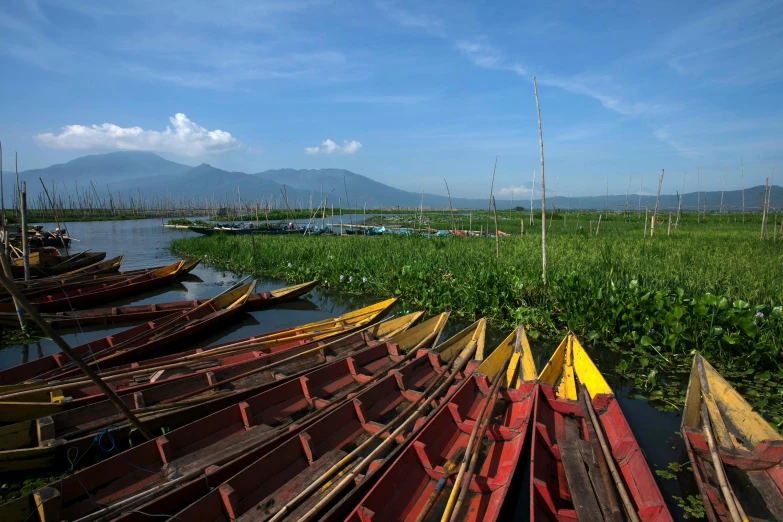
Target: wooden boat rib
{"type": "Point", "coordinates": [133, 342]}
{"type": "Point", "coordinates": [405, 490]}
{"type": "Point", "coordinates": [210, 441]}
{"type": "Point", "coordinates": [562, 451]}
{"type": "Point", "coordinates": [146, 312]}
{"type": "Point", "coordinates": [264, 344]}
{"type": "Point", "coordinates": [90, 294]}
{"type": "Point", "coordinates": [64, 264]}
{"type": "Point", "coordinates": [749, 449]}
{"type": "Point", "coordinates": [25, 445]}
{"type": "Point", "coordinates": [282, 467]}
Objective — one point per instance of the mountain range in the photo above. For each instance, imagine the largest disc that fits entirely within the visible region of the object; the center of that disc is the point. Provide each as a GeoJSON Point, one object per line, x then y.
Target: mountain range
{"type": "Point", "coordinates": [131, 173]}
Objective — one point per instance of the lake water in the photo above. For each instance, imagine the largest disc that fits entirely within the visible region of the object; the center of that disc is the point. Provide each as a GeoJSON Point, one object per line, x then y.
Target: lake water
{"type": "Point", "coordinates": [145, 243]}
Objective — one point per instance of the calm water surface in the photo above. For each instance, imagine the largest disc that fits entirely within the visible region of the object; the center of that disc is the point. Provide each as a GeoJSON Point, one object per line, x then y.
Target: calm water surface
{"type": "Point", "coordinates": [145, 243]}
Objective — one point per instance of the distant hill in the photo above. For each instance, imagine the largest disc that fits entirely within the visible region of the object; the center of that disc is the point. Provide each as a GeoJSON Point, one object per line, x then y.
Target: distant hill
{"type": "Point", "coordinates": [131, 173]}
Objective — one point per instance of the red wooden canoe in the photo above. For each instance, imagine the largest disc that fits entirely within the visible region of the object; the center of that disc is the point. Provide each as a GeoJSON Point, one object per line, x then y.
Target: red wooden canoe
{"type": "Point", "coordinates": [99, 293]}
{"type": "Point", "coordinates": [566, 481]}
{"type": "Point", "coordinates": [26, 445]}
{"type": "Point", "coordinates": [132, 343]}
{"type": "Point", "coordinates": [750, 450]}
{"type": "Point", "coordinates": [146, 312]}
{"type": "Point", "coordinates": [60, 265]}
{"type": "Point", "coordinates": [239, 431]}
{"type": "Point", "coordinates": [414, 483]}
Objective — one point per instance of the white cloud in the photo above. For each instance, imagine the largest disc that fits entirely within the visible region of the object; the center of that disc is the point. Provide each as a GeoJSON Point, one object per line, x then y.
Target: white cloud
{"type": "Point", "coordinates": [405, 18]}
{"type": "Point", "coordinates": [480, 54]}
{"type": "Point", "coordinates": [518, 191]}
{"type": "Point", "coordinates": [685, 151]}
{"type": "Point", "coordinates": [604, 90]}
{"type": "Point", "coordinates": [329, 147]}
{"type": "Point", "coordinates": [183, 137]}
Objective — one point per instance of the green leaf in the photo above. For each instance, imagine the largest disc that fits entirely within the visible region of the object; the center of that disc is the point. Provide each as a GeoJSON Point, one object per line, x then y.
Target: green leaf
{"type": "Point", "coordinates": [646, 341]}
{"type": "Point", "coordinates": [741, 304]}
{"type": "Point", "coordinates": [622, 366]}
{"type": "Point", "coordinates": [644, 361]}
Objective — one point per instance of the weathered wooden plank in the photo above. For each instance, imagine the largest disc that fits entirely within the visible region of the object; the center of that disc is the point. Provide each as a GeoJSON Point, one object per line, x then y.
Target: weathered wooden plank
{"type": "Point", "coordinates": [594, 472]}
{"type": "Point", "coordinates": [769, 491]}
{"type": "Point", "coordinates": [582, 494]}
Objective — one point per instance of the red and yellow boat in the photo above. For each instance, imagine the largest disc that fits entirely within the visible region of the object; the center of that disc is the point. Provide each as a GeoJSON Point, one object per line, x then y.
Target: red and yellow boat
{"type": "Point", "coordinates": [573, 456]}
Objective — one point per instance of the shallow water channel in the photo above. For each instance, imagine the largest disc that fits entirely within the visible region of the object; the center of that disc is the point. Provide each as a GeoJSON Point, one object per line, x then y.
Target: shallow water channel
{"type": "Point", "coordinates": [145, 243]}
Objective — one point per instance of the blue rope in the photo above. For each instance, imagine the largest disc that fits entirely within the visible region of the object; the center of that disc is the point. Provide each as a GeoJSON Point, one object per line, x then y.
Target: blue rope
{"type": "Point", "coordinates": [107, 431]}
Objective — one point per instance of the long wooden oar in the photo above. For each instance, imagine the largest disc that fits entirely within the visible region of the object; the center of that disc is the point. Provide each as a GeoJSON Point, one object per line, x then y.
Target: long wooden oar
{"type": "Point", "coordinates": [717, 463]}
{"type": "Point", "coordinates": [474, 447]}
{"type": "Point", "coordinates": [618, 481]}
{"type": "Point", "coordinates": [450, 468]}
{"type": "Point", "coordinates": [412, 412]}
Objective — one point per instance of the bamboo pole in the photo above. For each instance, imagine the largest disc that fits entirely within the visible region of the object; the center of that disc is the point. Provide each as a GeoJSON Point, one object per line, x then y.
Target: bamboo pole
{"type": "Point", "coordinates": [618, 481]}
{"type": "Point", "coordinates": [657, 200]}
{"type": "Point", "coordinates": [669, 232]}
{"type": "Point", "coordinates": [742, 169]}
{"type": "Point", "coordinates": [408, 415]}
{"type": "Point", "coordinates": [25, 239]}
{"type": "Point", "coordinates": [56, 220]}
{"type": "Point", "coordinates": [497, 235]}
{"type": "Point", "coordinates": [598, 227]}
{"type": "Point", "coordinates": [646, 217]}
{"type": "Point", "coordinates": [453, 226]}
{"type": "Point", "coordinates": [465, 474]}
{"type": "Point", "coordinates": [60, 342]}
{"type": "Point", "coordinates": [491, 190]}
{"type": "Point", "coordinates": [543, 187]}
{"type": "Point", "coordinates": [764, 231]}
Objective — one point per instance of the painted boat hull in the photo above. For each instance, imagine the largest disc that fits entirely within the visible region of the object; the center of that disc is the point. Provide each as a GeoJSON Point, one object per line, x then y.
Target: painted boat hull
{"type": "Point", "coordinates": [66, 264]}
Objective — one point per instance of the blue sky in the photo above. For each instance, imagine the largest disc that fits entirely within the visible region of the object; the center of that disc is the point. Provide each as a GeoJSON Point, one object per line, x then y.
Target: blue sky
{"type": "Point", "coordinates": [404, 92]}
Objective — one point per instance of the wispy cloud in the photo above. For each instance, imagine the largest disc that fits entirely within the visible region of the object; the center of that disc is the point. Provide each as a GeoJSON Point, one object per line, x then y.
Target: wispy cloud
{"type": "Point", "coordinates": [605, 90]}
{"type": "Point", "coordinates": [329, 147]}
{"type": "Point", "coordinates": [480, 54]}
{"type": "Point", "coordinates": [508, 192]}
{"type": "Point", "coordinates": [736, 42]}
{"type": "Point", "coordinates": [663, 135]}
{"type": "Point", "coordinates": [414, 20]}
{"type": "Point", "coordinates": [183, 137]}
{"type": "Point", "coordinates": [383, 99]}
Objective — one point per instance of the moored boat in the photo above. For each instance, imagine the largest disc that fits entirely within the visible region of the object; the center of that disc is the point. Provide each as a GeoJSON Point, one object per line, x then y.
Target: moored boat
{"type": "Point", "coordinates": [347, 431]}
{"type": "Point", "coordinates": [134, 313]}
{"type": "Point", "coordinates": [227, 437]}
{"type": "Point", "coordinates": [726, 438]}
{"type": "Point", "coordinates": [132, 343]}
{"type": "Point", "coordinates": [418, 483]}
{"type": "Point", "coordinates": [573, 455]}
{"type": "Point", "coordinates": [48, 265]}
{"type": "Point", "coordinates": [90, 294]}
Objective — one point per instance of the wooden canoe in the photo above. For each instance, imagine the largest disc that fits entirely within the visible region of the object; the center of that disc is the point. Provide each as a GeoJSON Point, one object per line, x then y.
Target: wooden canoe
{"type": "Point", "coordinates": [562, 450]}
{"type": "Point", "coordinates": [273, 472]}
{"type": "Point", "coordinates": [98, 293]}
{"type": "Point", "coordinates": [749, 449]}
{"type": "Point", "coordinates": [107, 266]}
{"type": "Point", "coordinates": [136, 313]}
{"type": "Point", "coordinates": [270, 343]}
{"type": "Point", "coordinates": [219, 438]}
{"type": "Point", "coordinates": [60, 264]}
{"type": "Point", "coordinates": [133, 343]}
{"type": "Point", "coordinates": [407, 486]}
{"type": "Point", "coordinates": [24, 445]}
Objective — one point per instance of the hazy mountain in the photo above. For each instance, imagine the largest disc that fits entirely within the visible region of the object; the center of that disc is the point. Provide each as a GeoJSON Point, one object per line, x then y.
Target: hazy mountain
{"type": "Point", "coordinates": [130, 173]}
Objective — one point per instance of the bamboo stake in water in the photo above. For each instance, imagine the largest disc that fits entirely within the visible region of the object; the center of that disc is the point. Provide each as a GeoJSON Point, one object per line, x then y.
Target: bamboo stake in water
{"type": "Point", "coordinates": [657, 199]}
{"type": "Point", "coordinates": [453, 226]}
{"type": "Point", "coordinates": [669, 232]}
{"type": "Point", "coordinates": [25, 239]}
{"type": "Point", "coordinates": [491, 190]}
{"type": "Point", "coordinates": [646, 217]}
{"type": "Point", "coordinates": [543, 187]}
{"type": "Point", "coordinates": [497, 235]}
{"type": "Point", "coordinates": [598, 227]}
